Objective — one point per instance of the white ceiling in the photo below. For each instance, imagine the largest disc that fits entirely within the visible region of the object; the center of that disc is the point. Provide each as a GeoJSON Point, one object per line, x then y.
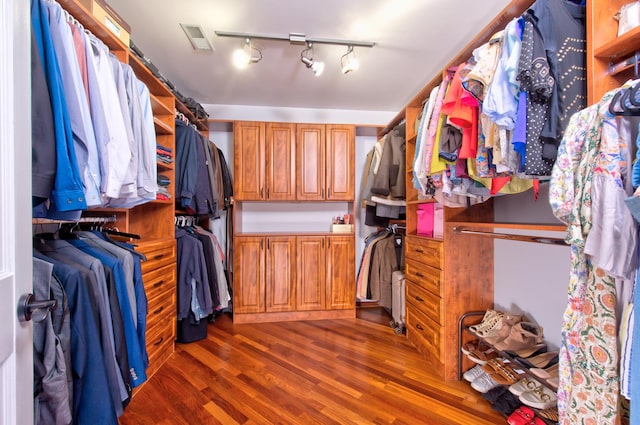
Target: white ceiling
{"type": "Point", "coordinates": [414, 40]}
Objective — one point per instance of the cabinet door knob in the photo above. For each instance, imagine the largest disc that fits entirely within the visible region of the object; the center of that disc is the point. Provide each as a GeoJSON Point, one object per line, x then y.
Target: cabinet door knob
{"type": "Point", "coordinates": [419, 326]}
{"type": "Point", "coordinates": [419, 299]}
{"type": "Point", "coordinates": [419, 274]}
{"type": "Point", "coordinates": [419, 250]}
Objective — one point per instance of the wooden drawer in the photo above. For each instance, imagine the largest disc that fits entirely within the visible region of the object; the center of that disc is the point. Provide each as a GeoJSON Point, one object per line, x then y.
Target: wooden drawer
{"type": "Point", "coordinates": [425, 333]}
{"type": "Point", "coordinates": [424, 301]}
{"type": "Point", "coordinates": [428, 277]}
{"type": "Point", "coordinates": [427, 251]}
{"type": "Point", "coordinates": [160, 308]}
{"type": "Point", "coordinates": [160, 343]}
{"type": "Point", "coordinates": [158, 253]}
{"type": "Point", "coordinates": [159, 280]}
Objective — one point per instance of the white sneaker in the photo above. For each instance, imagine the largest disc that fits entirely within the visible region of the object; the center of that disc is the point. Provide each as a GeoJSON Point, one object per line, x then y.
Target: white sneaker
{"type": "Point", "coordinates": [473, 373]}
{"type": "Point", "coordinates": [484, 383]}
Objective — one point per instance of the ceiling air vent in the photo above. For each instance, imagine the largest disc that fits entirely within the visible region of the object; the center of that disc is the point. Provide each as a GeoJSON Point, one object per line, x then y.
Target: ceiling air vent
{"type": "Point", "coordinates": [197, 37]}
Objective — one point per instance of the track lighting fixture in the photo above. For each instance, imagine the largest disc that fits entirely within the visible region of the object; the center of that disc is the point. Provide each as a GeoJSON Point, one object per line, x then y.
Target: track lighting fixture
{"type": "Point", "coordinates": [307, 58]}
{"type": "Point", "coordinates": [246, 55]}
{"type": "Point", "coordinates": [349, 62]}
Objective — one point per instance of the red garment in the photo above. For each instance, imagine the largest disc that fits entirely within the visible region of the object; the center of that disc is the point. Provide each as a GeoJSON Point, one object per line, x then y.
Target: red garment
{"type": "Point", "coordinates": [463, 114]}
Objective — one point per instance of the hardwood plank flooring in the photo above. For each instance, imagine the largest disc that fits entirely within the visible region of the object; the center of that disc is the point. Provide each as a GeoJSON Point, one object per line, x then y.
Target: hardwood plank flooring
{"type": "Point", "coordinates": [350, 371]}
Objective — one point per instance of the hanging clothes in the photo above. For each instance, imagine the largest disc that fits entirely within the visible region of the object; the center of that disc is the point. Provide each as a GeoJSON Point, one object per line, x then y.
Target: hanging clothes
{"type": "Point", "coordinates": [587, 192]}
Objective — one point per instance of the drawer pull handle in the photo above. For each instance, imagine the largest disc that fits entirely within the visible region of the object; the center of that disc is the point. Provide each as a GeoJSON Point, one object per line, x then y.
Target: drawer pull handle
{"type": "Point", "coordinates": [419, 326]}
{"type": "Point", "coordinates": [159, 283]}
{"type": "Point", "coordinates": [159, 256]}
{"type": "Point", "coordinates": [419, 299]}
{"type": "Point", "coordinates": [419, 274]}
{"type": "Point", "coordinates": [158, 342]}
{"type": "Point", "coordinates": [419, 250]}
{"type": "Point", "coordinates": [158, 310]}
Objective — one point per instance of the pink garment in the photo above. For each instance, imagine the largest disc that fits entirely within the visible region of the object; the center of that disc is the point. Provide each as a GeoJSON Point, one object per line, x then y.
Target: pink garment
{"type": "Point", "coordinates": [78, 44]}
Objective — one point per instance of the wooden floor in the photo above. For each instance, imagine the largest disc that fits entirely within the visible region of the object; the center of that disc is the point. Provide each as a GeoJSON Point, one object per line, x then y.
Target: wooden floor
{"type": "Point", "coordinates": [352, 371]}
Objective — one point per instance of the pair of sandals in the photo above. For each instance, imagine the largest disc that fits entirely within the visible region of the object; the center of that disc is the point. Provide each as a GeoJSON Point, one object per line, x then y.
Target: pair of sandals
{"type": "Point", "coordinates": [479, 351]}
{"type": "Point", "coordinates": [502, 372]}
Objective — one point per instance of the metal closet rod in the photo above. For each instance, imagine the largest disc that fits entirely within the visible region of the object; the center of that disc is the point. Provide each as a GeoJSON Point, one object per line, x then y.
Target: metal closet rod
{"type": "Point", "coordinates": [510, 236]}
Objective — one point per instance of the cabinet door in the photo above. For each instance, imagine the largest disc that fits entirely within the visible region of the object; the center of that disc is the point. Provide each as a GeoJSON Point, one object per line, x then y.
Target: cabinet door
{"type": "Point", "coordinates": [341, 279]}
{"type": "Point", "coordinates": [310, 145]}
{"type": "Point", "coordinates": [340, 170]}
{"type": "Point", "coordinates": [280, 273]}
{"type": "Point", "coordinates": [281, 162]}
{"type": "Point", "coordinates": [249, 272]}
{"type": "Point", "coordinates": [310, 290]}
{"type": "Point", "coordinates": [249, 160]}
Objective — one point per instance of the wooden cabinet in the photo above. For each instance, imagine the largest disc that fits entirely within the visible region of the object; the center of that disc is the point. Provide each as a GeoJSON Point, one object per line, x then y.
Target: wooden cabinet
{"type": "Point", "coordinates": [249, 160]}
{"type": "Point", "coordinates": [281, 165]}
{"type": "Point", "coordinates": [312, 272]}
{"type": "Point", "coordinates": [326, 274]}
{"type": "Point", "coordinates": [341, 277]}
{"type": "Point", "coordinates": [325, 162]}
{"type": "Point", "coordinates": [280, 273]}
{"type": "Point", "coordinates": [264, 161]}
{"type": "Point", "coordinates": [264, 278]}
{"type": "Point", "coordinates": [310, 146]}
{"type": "Point", "coordinates": [289, 162]}
{"type": "Point", "coordinates": [339, 162]}
{"type": "Point", "coordinates": [293, 277]}
{"type": "Point", "coordinates": [249, 275]}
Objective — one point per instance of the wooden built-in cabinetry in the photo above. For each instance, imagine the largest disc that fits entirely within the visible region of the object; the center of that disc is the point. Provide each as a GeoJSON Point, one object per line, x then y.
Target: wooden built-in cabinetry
{"type": "Point", "coordinates": [152, 221]}
{"type": "Point", "coordinates": [293, 277]}
{"type": "Point", "coordinates": [293, 162]}
{"type": "Point", "coordinates": [605, 48]}
{"type": "Point", "coordinates": [281, 275]}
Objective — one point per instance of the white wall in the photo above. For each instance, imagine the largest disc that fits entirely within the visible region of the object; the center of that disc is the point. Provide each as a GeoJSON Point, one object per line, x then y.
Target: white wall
{"type": "Point", "coordinates": [531, 278]}
{"type": "Point", "coordinates": [301, 115]}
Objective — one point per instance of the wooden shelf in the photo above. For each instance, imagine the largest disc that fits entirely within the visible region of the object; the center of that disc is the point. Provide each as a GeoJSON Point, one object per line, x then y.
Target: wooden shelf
{"type": "Point", "coordinates": [161, 126]}
{"type": "Point", "coordinates": [162, 105]}
{"type": "Point", "coordinates": [86, 18]}
{"type": "Point", "coordinates": [620, 47]}
{"type": "Point", "coordinates": [200, 125]}
{"type": "Point", "coordinates": [165, 167]}
{"type": "Point", "coordinates": [145, 75]}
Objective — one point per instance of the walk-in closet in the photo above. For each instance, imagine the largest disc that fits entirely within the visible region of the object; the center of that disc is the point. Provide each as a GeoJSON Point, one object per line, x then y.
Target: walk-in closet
{"type": "Point", "coordinates": [363, 212]}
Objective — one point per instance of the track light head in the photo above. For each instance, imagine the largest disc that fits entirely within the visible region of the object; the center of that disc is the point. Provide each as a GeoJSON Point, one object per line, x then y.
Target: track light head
{"type": "Point", "coordinates": [349, 62]}
{"type": "Point", "coordinates": [316, 66]}
{"type": "Point", "coordinates": [246, 55]}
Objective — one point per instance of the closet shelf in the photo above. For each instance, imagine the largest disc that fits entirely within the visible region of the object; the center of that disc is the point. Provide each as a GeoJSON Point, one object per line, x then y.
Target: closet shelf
{"type": "Point", "coordinates": [165, 167]}
{"type": "Point", "coordinates": [160, 105]}
{"type": "Point", "coordinates": [181, 107]}
{"type": "Point", "coordinates": [86, 18]}
{"type": "Point", "coordinates": [620, 47]}
{"type": "Point", "coordinates": [145, 75]}
{"type": "Point", "coordinates": [161, 126]}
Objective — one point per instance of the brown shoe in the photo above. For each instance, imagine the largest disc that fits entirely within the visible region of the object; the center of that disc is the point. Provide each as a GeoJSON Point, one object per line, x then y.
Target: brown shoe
{"type": "Point", "coordinates": [522, 335]}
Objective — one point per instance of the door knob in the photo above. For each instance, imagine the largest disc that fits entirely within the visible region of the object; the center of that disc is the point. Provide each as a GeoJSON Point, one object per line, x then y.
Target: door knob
{"type": "Point", "coordinates": [28, 305]}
